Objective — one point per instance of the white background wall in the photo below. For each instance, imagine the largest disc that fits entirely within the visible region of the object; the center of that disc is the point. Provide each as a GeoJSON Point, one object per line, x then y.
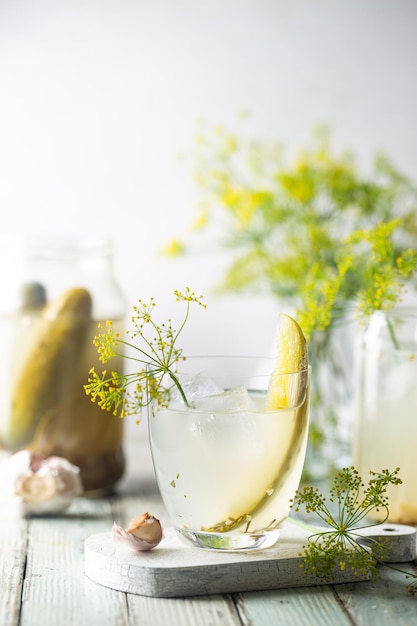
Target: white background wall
{"type": "Point", "coordinates": [97, 97]}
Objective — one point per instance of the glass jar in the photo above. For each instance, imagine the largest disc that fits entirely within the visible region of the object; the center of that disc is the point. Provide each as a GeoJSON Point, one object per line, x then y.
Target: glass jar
{"type": "Point", "coordinates": [386, 406]}
{"type": "Point", "coordinates": [54, 294]}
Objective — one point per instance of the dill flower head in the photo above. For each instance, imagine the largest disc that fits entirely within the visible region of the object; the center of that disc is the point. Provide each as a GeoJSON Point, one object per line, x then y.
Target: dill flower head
{"type": "Point", "coordinates": [150, 346]}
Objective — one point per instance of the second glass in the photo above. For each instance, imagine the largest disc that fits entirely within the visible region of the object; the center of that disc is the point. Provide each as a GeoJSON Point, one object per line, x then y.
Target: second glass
{"type": "Point", "coordinates": [227, 467]}
{"type": "Point", "coordinates": [386, 406]}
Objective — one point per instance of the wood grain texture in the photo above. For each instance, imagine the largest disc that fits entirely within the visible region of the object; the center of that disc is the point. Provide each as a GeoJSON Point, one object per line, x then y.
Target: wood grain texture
{"type": "Point", "coordinates": [383, 603]}
{"type": "Point", "coordinates": [13, 534]}
{"type": "Point", "coordinates": [215, 610]}
{"type": "Point", "coordinates": [55, 589]}
{"type": "Point", "coordinates": [292, 607]}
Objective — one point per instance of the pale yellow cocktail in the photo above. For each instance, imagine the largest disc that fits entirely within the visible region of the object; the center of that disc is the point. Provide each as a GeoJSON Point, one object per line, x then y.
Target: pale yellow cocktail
{"type": "Point", "coordinates": [228, 466]}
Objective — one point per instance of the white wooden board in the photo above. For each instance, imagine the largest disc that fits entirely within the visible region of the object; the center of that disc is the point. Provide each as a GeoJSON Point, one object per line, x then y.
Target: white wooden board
{"type": "Point", "coordinates": [174, 569]}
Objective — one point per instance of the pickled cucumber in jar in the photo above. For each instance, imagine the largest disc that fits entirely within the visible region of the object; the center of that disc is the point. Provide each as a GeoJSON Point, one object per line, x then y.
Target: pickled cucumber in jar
{"type": "Point", "coordinates": [49, 412]}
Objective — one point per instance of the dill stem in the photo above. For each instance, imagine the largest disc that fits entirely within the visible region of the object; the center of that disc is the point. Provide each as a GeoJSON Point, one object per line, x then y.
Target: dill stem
{"type": "Point", "coordinates": [178, 385]}
{"type": "Point", "coordinates": [303, 525]}
{"type": "Point", "coordinates": [392, 333]}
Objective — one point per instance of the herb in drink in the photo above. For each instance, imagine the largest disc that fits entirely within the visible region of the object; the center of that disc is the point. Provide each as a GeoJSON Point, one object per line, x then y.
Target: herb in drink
{"type": "Point", "coordinates": [152, 345]}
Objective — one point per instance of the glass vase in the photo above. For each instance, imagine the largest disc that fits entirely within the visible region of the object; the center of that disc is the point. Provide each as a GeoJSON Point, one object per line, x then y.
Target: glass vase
{"type": "Point", "coordinates": [55, 292]}
{"type": "Point", "coordinates": [385, 406]}
{"type": "Point", "coordinates": [330, 436]}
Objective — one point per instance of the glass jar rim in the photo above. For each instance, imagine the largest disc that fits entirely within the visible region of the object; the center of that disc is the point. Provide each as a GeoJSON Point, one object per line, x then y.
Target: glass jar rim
{"type": "Point", "coordinates": [65, 247]}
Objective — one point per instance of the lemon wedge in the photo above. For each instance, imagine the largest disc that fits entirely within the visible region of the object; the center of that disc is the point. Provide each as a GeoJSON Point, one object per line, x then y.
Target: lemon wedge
{"type": "Point", "coordinates": [288, 391]}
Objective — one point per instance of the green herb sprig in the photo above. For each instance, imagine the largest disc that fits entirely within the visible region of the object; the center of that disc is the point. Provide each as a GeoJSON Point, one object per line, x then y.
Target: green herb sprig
{"type": "Point", "coordinates": [152, 345]}
{"type": "Point", "coordinates": [340, 544]}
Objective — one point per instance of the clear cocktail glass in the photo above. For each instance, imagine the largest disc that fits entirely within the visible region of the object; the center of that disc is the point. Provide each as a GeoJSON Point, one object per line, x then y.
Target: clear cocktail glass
{"type": "Point", "coordinates": [227, 466]}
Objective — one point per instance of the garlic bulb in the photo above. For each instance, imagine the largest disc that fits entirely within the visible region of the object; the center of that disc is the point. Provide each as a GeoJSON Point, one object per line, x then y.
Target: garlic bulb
{"type": "Point", "coordinates": [143, 533]}
{"type": "Point", "coordinates": [43, 486]}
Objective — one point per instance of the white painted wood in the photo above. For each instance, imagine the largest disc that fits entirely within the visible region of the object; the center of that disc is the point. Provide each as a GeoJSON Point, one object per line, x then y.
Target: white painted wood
{"type": "Point", "coordinates": [300, 606]}
{"type": "Point", "coordinates": [174, 569]}
{"type": "Point", "coordinates": [385, 603]}
{"type": "Point", "coordinates": [55, 590]}
{"type": "Point", "coordinates": [213, 610]}
{"type": "Point", "coordinates": [13, 535]}
{"type": "Point", "coordinates": [402, 540]}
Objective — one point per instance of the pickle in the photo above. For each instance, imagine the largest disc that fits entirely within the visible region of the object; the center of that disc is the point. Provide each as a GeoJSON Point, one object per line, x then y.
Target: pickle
{"type": "Point", "coordinates": [85, 435]}
{"type": "Point", "coordinates": [49, 372]}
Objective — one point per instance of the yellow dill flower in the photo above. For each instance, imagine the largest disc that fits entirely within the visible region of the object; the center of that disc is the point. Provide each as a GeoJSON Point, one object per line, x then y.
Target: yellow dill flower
{"type": "Point", "coordinates": [200, 221]}
{"type": "Point", "coordinates": [174, 248]}
{"type": "Point", "coordinates": [300, 188]}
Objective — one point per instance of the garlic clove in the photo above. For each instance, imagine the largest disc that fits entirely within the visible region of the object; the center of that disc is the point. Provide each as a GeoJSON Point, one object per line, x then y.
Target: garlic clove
{"type": "Point", "coordinates": [67, 475]}
{"type": "Point", "coordinates": [43, 486]}
{"type": "Point", "coordinates": [143, 533]}
{"type": "Point", "coordinates": [33, 489]}
{"type": "Point", "coordinates": [146, 527]}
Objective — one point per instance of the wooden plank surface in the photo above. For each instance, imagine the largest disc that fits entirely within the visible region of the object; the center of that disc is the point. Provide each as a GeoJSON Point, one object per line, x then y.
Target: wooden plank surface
{"type": "Point", "coordinates": [384, 603]}
{"type": "Point", "coordinates": [55, 588]}
{"type": "Point", "coordinates": [302, 606]}
{"type": "Point", "coordinates": [13, 534]}
{"type": "Point", "coordinates": [217, 610]}
{"type": "Point", "coordinates": [42, 560]}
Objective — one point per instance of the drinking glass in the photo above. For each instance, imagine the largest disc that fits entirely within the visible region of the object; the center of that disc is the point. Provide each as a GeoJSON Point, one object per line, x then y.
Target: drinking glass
{"type": "Point", "coordinates": [226, 466]}
{"type": "Point", "coordinates": [386, 406]}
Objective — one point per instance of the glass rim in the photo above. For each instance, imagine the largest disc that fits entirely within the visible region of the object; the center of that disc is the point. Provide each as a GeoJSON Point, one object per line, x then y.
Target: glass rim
{"type": "Point", "coordinates": [298, 381]}
{"type": "Point", "coordinates": [181, 365]}
{"type": "Point", "coordinates": [399, 311]}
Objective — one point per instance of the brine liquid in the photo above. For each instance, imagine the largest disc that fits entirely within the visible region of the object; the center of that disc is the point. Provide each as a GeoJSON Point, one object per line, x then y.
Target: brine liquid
{"type": "Point", "coordinates": [220, 472]}
{"type": "Point", "coordinates": [72, 427]}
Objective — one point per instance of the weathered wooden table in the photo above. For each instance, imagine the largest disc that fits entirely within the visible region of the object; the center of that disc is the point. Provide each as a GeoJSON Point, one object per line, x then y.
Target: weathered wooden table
{"type": "Point", "coordinates": [43, 581]}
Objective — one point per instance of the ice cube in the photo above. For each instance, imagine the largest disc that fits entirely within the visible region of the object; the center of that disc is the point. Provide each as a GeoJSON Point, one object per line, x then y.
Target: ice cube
{"type": "Point", "coordinates": [194, 387]}
{"type": "Point", "coordinates": [229, 401]}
